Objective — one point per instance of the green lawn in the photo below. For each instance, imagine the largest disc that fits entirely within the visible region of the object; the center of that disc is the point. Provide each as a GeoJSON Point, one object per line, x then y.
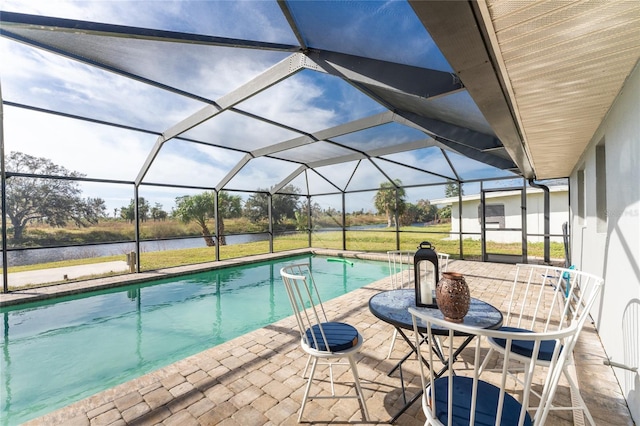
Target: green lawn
{"type": "Point", "coordinates": [377, 240]}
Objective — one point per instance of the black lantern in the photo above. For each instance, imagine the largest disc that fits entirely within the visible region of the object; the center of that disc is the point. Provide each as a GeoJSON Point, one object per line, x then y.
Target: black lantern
{"type": "Point", "coordinates": [425, 269]}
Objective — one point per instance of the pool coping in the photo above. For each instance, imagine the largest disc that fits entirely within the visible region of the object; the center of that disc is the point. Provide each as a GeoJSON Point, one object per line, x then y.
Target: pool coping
{"type": "Point", "coordinates": [34, 294]}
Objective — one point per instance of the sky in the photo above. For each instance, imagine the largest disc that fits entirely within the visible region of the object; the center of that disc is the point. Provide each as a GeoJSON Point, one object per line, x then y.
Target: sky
{"type": "Point", "coordinates": [308, 101]}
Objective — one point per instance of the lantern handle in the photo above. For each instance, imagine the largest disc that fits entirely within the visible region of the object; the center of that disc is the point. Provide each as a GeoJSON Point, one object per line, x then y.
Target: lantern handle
{"type": "Point", "coordinates": [427, 245]}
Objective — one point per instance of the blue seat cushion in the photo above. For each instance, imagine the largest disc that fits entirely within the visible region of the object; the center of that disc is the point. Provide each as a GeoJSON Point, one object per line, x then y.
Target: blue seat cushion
{"type": "Point", "coordinates": [340, 336]}
{"type": "Point", "coordinates": [524, 347]}
{"type": "Point", "coordinates": [486, 403]}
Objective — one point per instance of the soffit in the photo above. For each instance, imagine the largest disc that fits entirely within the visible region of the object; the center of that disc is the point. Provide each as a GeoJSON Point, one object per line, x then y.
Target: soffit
{"type": "Point", "coordinates": [563, 64]}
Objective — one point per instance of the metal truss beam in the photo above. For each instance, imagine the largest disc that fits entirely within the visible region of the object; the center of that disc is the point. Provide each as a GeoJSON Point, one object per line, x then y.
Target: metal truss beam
{"type": "Point", "coordinates": [403, 147]}
{"type": "Point", "coordinates": [343, 129]}
{"type": "Point", "coordinates": [234, 171]}
{"type": "Point", "coordinates": [336, 160]}
{"type": "Point", "coordinates": [469, 143]}
{"type": "Point", "coordinates": [292, 23]}
{"type": "Point", "coordinates": [22, 21]}
{"type": "Point", "coordinates": [470, 152]}
{"type": "Point", "coordinates": [268, 78]}
{"type": "Point", "coordinates": [326, 134]}
{"type": "Point", "coordinates": [288, 179]}
{"type": "Point", "coordinates": [425, 83]}
{"type": "Point", "coordinates": [371, 155]}
{"type": "Point", "coordinates": [433, 127]}
{"type": "Point", "coordinates": [469, 53]}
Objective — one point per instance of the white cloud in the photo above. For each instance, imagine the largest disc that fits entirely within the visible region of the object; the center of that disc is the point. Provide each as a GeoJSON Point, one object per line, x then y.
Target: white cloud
{"type": "Point", "coordinates": [306, 101]}
{"type": "Point", "coordinates": [252, 20]}
{"type": "Point", "coordinates": [56, 8]}
{"type": "Point", "coordinates": [42, 79]}
{"type": "Point", "coordinates": [97, 151]}
{"type": "Point", "coordinates": [292, 102]}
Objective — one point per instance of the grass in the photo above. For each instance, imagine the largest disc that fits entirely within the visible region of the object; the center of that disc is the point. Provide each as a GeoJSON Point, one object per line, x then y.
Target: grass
{"type": "Point", "coordinates": [112, 230]}
{"type": "Point", "coordinates": [378, 240]}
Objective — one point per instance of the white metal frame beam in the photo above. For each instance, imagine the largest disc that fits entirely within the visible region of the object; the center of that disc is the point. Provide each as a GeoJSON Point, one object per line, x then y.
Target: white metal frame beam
{"type": "Point", "coordinates": [268, 78]}
{"type": "Point", "coordinates": [326, 134]}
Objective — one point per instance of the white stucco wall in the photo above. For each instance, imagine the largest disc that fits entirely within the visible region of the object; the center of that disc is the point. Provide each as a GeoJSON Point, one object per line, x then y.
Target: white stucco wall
{"type": "Point", "coordinates": [511, 200]}
{"type": "Point", "coordinates": [614, 251]}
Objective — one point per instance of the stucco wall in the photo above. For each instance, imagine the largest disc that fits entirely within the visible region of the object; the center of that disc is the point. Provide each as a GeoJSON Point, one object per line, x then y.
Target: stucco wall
{"type": "Point", "coordinates": [614, 250]}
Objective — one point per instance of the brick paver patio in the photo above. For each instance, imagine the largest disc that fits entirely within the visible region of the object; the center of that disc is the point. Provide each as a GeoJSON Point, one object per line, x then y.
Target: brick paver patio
{"type": "Point", "coordinates": [256, 379]}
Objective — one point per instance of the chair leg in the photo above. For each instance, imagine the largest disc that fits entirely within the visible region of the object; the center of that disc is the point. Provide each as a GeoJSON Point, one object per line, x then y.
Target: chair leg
{"type": "Point", "coordinates": [306, 367]}
{"type": "Point", "coordinates": [363, 404]}
{"type": "Point", "coordinates": [575, 394]}
{"type": "Point", "coordinates": [485, 361]}
{"type": "Point", "coordinates": [306, 391]}
{"type": "Point", "coordinates": [393, 342]}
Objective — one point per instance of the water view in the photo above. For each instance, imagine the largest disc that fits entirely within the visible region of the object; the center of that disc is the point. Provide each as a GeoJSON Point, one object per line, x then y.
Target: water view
{"type": "Point", "coordinates": [43, 255]}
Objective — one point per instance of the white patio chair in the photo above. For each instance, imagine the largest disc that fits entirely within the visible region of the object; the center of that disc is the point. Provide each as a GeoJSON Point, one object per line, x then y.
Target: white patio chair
{"type": "Point", "coordinates": [467, 395]}
{"type": "Point", "coordinates": [545, 298]}
{"type": "Point", "coordinates": [401, 274]}
{"type": "Point", "coordinates": [320, 338]}
{"type": "Point", "coordinates": [400, 268]}
{"type": "Point", "coordinates": [443, 262]}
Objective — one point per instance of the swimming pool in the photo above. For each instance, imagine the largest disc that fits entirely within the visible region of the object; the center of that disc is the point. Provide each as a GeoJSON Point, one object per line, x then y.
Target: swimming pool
{"type": "Point", "coordinates": [59, 351]}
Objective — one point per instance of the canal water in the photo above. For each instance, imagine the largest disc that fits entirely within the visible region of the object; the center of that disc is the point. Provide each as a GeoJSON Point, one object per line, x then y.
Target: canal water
{"type": "Point", "coordinates": [43, 255]}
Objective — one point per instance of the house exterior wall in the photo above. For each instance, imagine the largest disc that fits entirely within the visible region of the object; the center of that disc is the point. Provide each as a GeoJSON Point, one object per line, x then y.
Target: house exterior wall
{"type": "Point", "coordinates": [611, 247]}
{"type": "Point", "coordinates": [511, 201]}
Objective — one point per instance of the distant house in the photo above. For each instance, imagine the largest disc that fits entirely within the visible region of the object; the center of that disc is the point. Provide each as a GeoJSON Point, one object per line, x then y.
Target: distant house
{"type": "Point", "coordinates": [503, 214]}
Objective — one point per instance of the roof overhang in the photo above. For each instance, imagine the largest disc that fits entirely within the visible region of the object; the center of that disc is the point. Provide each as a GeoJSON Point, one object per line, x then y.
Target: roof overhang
{"type": "Point", "coordinates": [544, 74]}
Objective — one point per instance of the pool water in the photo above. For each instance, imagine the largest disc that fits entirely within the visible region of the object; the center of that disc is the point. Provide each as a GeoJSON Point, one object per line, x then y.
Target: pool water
{"type": "Point", "coordinates": [59, 351]}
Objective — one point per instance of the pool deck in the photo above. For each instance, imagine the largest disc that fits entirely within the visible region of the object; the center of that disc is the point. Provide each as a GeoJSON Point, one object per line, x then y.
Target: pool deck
{"type": "Point", "coordinates": [256, 379]}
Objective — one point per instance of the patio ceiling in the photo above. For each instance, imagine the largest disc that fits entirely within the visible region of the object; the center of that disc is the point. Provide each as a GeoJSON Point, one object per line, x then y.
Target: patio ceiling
{"type": "Point", "coordinates": [519, 87]}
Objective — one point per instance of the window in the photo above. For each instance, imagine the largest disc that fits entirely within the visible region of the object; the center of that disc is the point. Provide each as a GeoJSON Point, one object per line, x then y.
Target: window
{"type": "Point", "coordinates": [601, 188]}
{"type": "Point", "coordinates": [494, 215]}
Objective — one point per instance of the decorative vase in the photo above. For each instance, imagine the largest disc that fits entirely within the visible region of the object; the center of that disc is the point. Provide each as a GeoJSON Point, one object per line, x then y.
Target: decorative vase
{"type": "Point", "coordinates": [452, 296]}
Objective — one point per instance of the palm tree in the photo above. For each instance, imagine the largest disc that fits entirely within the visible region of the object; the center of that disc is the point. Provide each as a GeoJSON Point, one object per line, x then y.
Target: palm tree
{"type": "Point", "coordinates": [390, 199]}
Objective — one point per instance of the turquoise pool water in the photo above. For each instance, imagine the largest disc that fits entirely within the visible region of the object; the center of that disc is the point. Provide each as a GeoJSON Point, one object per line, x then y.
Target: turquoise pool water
{"type": "Point", "coordinates": [63, 350]}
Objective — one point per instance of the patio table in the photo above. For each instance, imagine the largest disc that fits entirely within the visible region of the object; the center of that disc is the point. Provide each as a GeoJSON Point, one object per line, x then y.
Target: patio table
{"type": "Point", "coordinates": [393, 307]}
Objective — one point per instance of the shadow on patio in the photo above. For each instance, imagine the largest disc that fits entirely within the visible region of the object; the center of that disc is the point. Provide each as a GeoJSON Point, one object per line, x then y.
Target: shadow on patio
{"type": "Point", "coordinates": [256, 378]}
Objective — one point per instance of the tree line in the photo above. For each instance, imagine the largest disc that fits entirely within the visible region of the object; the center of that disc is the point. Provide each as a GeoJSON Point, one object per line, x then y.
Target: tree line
{"type": "Point", "coordinates": [57, 202]}
{"type": "Point", "coordinates": [390, 200]}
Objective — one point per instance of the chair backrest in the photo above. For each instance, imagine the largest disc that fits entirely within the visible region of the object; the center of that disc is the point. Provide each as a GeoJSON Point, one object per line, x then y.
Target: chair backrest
{"type": "Point", "coordinates": [306, 304]}
{"type": "Point", "coordinates": [401, 268]}
{"type": "Point", "coordinates": [443, 262]}
{"type": "Point", "coordinates": [545, 298]}
{"type": "Point", "coordinates": [465, 393]}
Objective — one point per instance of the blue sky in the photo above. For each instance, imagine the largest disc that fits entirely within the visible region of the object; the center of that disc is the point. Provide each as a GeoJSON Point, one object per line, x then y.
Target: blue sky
{"type": "Point", "coordinates": [308, 101]}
